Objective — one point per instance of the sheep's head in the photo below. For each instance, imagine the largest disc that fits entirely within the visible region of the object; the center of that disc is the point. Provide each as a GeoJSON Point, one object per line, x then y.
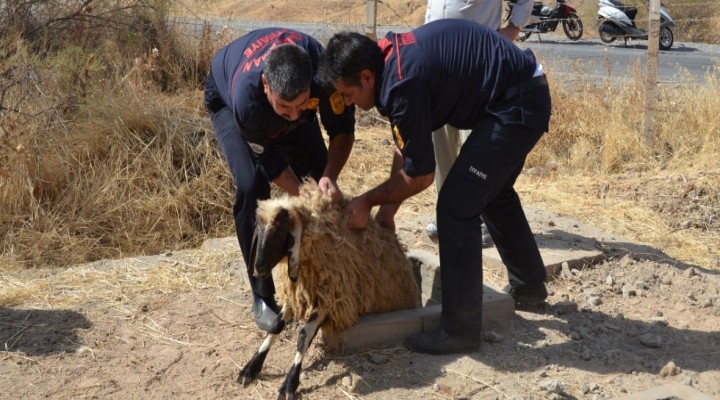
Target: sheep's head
{"type": "Point", "coordinates": [278, 237]}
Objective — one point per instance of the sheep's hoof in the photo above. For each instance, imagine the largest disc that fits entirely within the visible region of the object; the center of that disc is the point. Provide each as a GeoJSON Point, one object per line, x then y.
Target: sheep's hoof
{"type": "Point", "coordinates": [245, 380]}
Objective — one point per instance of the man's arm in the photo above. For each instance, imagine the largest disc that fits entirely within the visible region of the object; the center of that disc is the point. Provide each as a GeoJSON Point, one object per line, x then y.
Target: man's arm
{"type": "Point", "coordinates": [288, 181]}
{"type": "Point", "coordinates": [388, 195]}
{"type": "Point", "coordinates": [521, 16]}
{"type": "Point", "coordinates": [338, 153]}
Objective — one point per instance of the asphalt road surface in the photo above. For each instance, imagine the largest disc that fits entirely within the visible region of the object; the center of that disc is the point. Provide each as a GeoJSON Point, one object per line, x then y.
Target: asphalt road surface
{"type": "Point", "coordinates": [683, 63]}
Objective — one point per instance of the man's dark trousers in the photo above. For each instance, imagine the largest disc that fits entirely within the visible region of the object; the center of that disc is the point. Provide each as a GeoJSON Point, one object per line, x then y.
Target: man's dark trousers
{"type": "Point", "coordinates": [480, 184]}
{"type": "Point", "coordinates": [306, 152]}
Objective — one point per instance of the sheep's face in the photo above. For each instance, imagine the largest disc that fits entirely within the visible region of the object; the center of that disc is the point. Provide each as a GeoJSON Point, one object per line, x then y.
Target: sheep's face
{"type": "Point", "coordinates": [278, 238]}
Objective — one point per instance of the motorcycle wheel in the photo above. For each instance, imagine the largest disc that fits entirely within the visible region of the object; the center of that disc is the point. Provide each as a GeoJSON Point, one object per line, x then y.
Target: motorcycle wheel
{"type": "Point", "coordinates": [604, 37]}
{"type": "Point", "coordinates": [573, 27]}
{"type": "Point", "coordinates": [523, 36]}
{"type": "Point", "coordinates": [666, 38]}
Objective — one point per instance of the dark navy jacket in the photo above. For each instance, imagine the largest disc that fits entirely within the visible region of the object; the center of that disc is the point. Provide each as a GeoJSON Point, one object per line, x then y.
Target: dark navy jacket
{"type": "Point", "coordinates": [445, 72]}
{"type": "Point", "coordinates": [235, 82]}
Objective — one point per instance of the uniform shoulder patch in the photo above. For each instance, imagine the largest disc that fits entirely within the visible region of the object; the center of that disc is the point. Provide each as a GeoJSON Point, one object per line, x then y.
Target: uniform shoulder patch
{"type": "Point", "coordinates": [398, 137]}
{"type": "Point", "coordinates": [313, 103]}
{"type": "Point", "coordinates": [337, 103]}
{"type": "Point", "coordinates": [256, 148]}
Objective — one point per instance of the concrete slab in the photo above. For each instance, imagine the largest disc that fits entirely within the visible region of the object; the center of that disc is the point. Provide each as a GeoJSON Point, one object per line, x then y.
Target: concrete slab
{"type": "Point", "coordinates": [391, 328]}
{"type": "Point", "coordinates": [560, 240]}
{"type": "Point", "coordinates": [675, 391]}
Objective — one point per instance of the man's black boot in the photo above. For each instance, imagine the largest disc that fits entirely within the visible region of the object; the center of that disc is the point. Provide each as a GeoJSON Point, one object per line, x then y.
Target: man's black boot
{"type": "Point", "coordinates": [528, 294]}
{"type": "Point", "coordinates": [267, 315]}
{"type": "Point", "coordinates": [438, 341]}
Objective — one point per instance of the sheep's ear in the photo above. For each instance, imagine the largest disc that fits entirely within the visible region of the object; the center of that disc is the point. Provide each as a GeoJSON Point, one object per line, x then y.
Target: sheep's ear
{"type": "Point", "coordinates": [293, 251]}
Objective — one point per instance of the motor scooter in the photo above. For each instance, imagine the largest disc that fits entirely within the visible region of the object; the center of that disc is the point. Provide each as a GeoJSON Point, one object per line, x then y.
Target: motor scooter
{"type": "Point", "coordinates": [617, 20]}
{"type": "Point", "coordinates": [549, 18]}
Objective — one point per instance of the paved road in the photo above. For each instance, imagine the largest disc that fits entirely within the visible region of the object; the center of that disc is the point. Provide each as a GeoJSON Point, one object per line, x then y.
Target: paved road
{"type": "Point", "coordinates": [684, 62]}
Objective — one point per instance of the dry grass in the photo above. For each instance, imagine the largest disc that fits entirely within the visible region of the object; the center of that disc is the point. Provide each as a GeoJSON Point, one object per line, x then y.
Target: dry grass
{"type": "Point", "coordinates": [121, 285]}
{"type": "Point", "coordinates": [102, 158]}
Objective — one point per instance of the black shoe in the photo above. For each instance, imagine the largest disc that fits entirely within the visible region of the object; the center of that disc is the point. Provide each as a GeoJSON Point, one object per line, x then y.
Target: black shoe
{"type": "Point", "coordinates": [438, 341]}
{"type": "Point", "coordinates": [267, 315]}
{"type": "Point", "coordinates": [528, 294]}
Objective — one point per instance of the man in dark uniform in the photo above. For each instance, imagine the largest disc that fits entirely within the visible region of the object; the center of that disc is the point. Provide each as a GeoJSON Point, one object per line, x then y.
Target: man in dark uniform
{"type": "Point", "coordinates": [263, 99]}
{"type": "Point", "coordinates": [459, 73]}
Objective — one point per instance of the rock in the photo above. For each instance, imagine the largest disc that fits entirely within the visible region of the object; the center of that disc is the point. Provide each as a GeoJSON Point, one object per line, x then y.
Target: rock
{"type": "Point", "coordinates": [627, 260]}
{"type": "Point", "coordinates": [565, 307]}
{"type": "Point", "coordinates": [491, 337]}
{"type": "Point", "coordinates": [667, 279]}
{"type": "Point", "coordinates": [628, 291]}
{"type": "Point", "coordinates": [670, 369]}
{"type": "Point", "coordinates": [690, 272]}
{"type": "Point", "coordinates": [659, 321]}
{"type": "Point", "coordinates": [651, 341]}
{"type": "Point", "coordinates": [347, 381]}
{"type": "Point", "coordinates": [379, 359]}
{"type": "Point", "coordinates": [586, 355]}
{"type": "Point", "coordinates": [553, 386]}
{"type": "Point", "coordinates": [594, 301]}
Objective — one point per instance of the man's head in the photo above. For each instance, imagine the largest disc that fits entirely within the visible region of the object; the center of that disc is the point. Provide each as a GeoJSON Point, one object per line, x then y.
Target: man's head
{"type": "Point", "coordinates": [286, 79]}
{"type": "Point", "coordinates": [350, 64]}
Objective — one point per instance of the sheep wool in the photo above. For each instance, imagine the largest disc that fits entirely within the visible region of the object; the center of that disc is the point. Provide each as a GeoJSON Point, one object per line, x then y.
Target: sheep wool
{"type": "Point", "coordinates": [343, 273]}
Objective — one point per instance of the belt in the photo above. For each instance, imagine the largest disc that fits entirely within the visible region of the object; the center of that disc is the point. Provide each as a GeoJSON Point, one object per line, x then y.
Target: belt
{"type": "Point", "coordinates": [528, 84]}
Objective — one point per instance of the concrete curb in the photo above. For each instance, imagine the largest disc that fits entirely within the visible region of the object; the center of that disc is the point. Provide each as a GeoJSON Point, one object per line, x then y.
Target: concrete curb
{"type": "Point", "coordinates": [391, 328]}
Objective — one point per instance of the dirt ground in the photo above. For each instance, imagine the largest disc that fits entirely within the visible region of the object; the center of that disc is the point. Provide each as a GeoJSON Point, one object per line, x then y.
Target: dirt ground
{"type": "Point", "coordinates": [610, 329]}
{"type": "Point", "coordinates": [179, 326]}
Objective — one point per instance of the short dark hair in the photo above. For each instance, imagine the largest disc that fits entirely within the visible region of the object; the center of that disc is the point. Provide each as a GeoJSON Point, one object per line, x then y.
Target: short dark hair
{"type": "Point", "coordinates": [347, 54]}
{"type": "Point", "coordinates": [288, 70]}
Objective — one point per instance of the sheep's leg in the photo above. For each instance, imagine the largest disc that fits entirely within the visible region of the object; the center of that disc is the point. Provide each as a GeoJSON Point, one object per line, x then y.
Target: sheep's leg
{"type": "Point", "coordinates": [306, 336]}
{"type": "Point", "coordinates": [251, 370]}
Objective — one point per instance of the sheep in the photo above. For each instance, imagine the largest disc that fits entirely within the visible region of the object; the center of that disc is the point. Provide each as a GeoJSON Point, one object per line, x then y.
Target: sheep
{"type": "Point", "coordinates": [333, 276]}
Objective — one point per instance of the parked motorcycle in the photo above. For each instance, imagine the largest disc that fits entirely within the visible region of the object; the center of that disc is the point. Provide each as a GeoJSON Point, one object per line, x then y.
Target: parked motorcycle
{"type": "Point", "coordinates": [617, 20]}
{"type": "Point", "coordinates": [549, 18]}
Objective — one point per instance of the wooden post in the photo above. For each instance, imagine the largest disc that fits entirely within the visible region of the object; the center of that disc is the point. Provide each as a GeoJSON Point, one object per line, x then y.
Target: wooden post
{"type": "Point", "coordinates": [651, 72]}
{"type": "Point", "coordinates": [371, 19]}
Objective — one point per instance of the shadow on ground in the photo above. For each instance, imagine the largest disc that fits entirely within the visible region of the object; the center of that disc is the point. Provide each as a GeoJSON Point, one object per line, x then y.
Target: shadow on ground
{"type": "Point", "coordinates": [41, 332]}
